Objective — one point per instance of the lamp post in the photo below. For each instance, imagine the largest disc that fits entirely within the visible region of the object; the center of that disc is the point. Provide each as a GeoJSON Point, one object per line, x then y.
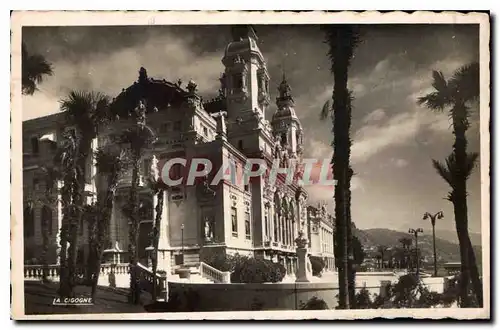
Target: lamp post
{"type": "Point", "coordinates": [182, 243]}
{"type": "Point", "coordinates": [415, 232]}
{"type": "Point", "coordinates": [433, 218]}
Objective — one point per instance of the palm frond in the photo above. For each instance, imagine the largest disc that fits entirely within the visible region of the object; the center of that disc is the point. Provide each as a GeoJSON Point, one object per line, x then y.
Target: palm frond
{"type": "Point", "coordinates": [34, 68]}
{"type": "Point", "coordinates": [86, 110]}
{"type": "Point", "coordinates": [465, 82]}
{"type": "Point", "coordinates": [326, 110]}
{"type": "Point", "coordinates": [439, 82]}
{"type": "Point", "coordinates": [434, 101]}
{"type": "Point", "coordinates": [111, 160]}
{"type": "Point", "coordinates": [471, 163]}
{"type": "Point", "coordinates": [443, 170]}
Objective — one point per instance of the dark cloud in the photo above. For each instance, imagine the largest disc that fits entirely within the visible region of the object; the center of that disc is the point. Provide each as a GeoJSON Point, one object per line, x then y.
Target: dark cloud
{"type": "Point", "coordinates": [394, 139]}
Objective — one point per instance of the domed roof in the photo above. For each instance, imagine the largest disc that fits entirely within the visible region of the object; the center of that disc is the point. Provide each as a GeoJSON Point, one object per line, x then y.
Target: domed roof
{"type": "Point", "coordinates": [245, 45]}
{"type": "Point", "coordinates": [159, 94]}
{"type": "Point", "coordinates": [285, 112]}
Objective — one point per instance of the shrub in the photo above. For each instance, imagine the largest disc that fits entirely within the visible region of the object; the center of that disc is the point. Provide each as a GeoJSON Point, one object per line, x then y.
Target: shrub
{"type": "Point", "coordinates": [314, 303]}
{"type": "Point", "coordinates": [252, 270]}
{"type": "Point", "coordinates": [362, 299]}
{"type": "Point", "coordinates": [317, 264]}
{"type": "Point", "coordinates": [225, 262]}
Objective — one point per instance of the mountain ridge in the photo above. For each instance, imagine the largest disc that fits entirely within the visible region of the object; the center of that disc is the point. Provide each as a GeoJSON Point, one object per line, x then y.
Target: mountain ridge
{"type": "Point", "coordinates": [447, 251]}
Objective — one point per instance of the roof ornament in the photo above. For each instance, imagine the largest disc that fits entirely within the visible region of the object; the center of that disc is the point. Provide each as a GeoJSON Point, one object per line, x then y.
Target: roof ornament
{"type": "Point", "coordinates": [143, 74]}
{"type": "Point", "coordinates": [179, 82]}
{"type": "Point", "coordinates": [221, 124]}
{"type": "Point", "coordinates": [192, 87]}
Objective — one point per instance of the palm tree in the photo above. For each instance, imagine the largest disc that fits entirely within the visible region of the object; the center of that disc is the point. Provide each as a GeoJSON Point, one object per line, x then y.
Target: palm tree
{"type": "Point", "coordinates": [110, 163]}
{"type": "Point", "coordinates": [456, 94]}
{"type": "Point", "coordinates": [138, 139]}
{"type": "Point", "coordinates": [65, 161]}
{"type": "Point", "coordinates": [34, 68]}
{"type": "Point", "coordinates": [406, 243]}
{"type": "Point", "coordinates": [49, 201]}
{"type": "Point", "coordinates": [86, 111]}
{"type": "Point", "coordinates": [381, 251]}
{"type": "Point", "coordinates": [342, 40]}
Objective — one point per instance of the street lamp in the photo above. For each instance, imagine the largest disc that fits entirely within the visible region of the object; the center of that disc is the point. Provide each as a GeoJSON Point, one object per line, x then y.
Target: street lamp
{"type": "Point", "coordinates": [415, 232]}
{"type": "Point", "coordinates": [182, 243]}
{"type": "Point", "coordinates": [433, 218]}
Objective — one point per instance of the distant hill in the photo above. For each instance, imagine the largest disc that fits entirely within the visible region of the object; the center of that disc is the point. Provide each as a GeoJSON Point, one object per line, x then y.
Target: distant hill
{"type": "Point", "coordinates": [447, 250]}
{"type": "Point", "coordinates": [451, 236]}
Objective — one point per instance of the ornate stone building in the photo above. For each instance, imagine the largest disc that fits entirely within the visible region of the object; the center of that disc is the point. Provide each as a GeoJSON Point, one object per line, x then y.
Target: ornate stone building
{"type": "Point", "coordinates": [198, 220]}
{"type": "Point", "coordinates": [320, 228]}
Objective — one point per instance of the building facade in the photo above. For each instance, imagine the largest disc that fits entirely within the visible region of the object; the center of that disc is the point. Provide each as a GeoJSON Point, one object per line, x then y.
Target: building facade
{"type": "Point", "coordinates": [260, 217]}
{"type": "Point", "coordinates": [320, 229]}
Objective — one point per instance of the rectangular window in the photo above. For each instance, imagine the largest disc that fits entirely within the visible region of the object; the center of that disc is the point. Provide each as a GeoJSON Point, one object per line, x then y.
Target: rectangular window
{"type": "Point", "coordinates": [234, 221]}
{"type": "Point", "coordinates": [35, 149]}
{"type": "Point", "coordinates": [247, 225]}
{"type": "Point", "coordinates": [177, 126]}
{"type": "Point", "coordinates": [205, 131]}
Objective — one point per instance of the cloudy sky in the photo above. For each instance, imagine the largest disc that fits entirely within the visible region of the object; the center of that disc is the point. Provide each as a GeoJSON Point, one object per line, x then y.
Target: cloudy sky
{"type": "Point", "coordinates": [394, 139]}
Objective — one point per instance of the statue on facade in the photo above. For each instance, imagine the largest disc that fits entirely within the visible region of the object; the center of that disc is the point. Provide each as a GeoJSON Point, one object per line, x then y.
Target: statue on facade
{"type": "Point", "coordinates": [209, 230]}
{"type": "Point", "coordinates": [192, 87]}
{"type": "Point", "coordinates": [221, 123]}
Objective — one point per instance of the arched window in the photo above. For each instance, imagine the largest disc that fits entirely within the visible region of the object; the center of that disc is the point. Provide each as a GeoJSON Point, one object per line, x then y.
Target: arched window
{"type": "Point", "coordinates": [29, 221]}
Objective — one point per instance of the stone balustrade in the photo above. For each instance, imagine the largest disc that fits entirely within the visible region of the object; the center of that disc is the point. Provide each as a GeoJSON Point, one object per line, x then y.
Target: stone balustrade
{"type": "Point", "coordinates": [214, 274]}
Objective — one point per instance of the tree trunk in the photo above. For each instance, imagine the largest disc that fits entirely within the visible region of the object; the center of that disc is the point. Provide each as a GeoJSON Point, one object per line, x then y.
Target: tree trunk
{"type": "Point", "coordinates": [64, 289]}
{"type": "Point", "coordinates": [477, 285]}
{"type": "Point", "coordinates": [134, 230]}
{"type": "Point", "coordinates": [156, 236]}
{"type": "Point", "coordinates": [340, 174]}
{"type": "Point", "coordinates": [459, 196]}
{"type": "Point", "coordinates": [45, 243]}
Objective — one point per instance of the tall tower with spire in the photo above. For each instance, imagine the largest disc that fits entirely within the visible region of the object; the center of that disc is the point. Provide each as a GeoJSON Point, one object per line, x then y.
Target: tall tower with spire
{"type": "Point", "coordinates": [286, 125]}
{"type": "Point", "coordinates": [245, 79]}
